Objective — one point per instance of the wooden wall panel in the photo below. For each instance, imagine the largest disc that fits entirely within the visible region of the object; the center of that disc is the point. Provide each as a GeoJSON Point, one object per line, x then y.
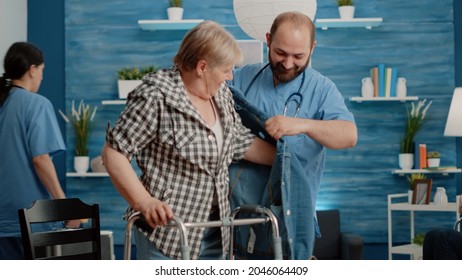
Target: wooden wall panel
{"type": "Point", "coordinates": [417, 37]}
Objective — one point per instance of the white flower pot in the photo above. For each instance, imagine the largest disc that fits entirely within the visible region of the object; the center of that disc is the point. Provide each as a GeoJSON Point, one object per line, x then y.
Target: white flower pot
{"type": "Point", "coordinates": [433, 162]}
{"type": "Point", "coordinates": [175, 13]}
{"type": "Point", "coordinates": [125, 86]}
{"type": "Point", "coordinates": [406, 161]}
{"type": "Point", "coordinates": [410, 193]}
{"type": "Point", "coordinates": [81, 164]}
{"type": "Point", "coordinates": [346, 12]}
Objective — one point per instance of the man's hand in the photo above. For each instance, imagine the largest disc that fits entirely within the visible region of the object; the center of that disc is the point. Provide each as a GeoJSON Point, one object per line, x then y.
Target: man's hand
{"type": "Point", "coordinates": [279, 126]}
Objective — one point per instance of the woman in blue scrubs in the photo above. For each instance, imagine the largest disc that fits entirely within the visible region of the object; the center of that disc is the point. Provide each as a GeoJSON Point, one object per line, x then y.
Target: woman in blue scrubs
{"type": "Point", "coordinates": [29, 136]}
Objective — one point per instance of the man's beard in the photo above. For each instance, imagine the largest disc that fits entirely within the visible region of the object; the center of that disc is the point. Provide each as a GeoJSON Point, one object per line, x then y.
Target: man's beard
{"type": "Point", "coordinates": [281, 74]}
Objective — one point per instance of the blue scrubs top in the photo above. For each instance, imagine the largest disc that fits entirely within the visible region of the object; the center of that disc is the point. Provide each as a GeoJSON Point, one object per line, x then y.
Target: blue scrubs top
{"type": "Point", "coordinates": [321, 101]}
{"type": "Point", "coordinates": [28, 128]}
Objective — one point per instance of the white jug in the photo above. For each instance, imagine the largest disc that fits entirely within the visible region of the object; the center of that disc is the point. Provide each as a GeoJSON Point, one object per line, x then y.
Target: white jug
{"type": "Point", "coordinates": [367, 89]}
{"type": "Point", "coordinates": [401, 90]}
{"type": "Point", "coordinates": [440, 197]}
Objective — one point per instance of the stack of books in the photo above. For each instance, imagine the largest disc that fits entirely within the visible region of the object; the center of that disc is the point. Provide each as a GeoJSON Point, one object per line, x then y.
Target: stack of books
{"type": "Point", "coordinates": [384, 79]}
{"type": "Point", "coordinates": [420, 155]}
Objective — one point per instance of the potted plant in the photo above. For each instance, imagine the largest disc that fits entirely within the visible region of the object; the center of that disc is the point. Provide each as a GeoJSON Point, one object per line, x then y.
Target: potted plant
{"type": "Point", "coordinates": [418, 239]}
{"type": "Point", "coordinates": [175, 11]}
{"type": "Point", "coordinates": [346, 9]}
{"type": "Point", "coordinates": [82, 122]}
{"type": "Point", "coordinates": [433, 159]}
{"type": "Point", "coordinates": [414, 121]}
{"type": "Point", "coordinates": [130, 77]}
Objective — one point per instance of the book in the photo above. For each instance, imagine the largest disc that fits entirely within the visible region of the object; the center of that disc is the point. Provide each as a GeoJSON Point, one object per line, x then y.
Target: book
{"type": "Point", "coordinates": [423, 156]}
{"type": "Point", "coordinates": [387, 81]}
{"type": "Point", "coordinates": [381, 72]}
{"type": "Point", "coordinates": [375, 80]}
{"type": "Point", "coordinates": [416, 155]}
{"type": "Point", "coordinates": [394, 81]}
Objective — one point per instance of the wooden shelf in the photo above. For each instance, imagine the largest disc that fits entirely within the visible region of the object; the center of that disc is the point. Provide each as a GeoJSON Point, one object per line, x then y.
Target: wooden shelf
{"type": "Point", "coordinates": [443, 171]}
{"type": "Point", "coordinates": [368, 23]}
{"type": "Point", "coordinates": [152, 25]}
{"type": "Point", "coordinates": [360, 99]}
{"type": "Point", "coordinates": [87, 174]}
{"type": "Point", "coordinates": [114, 102]}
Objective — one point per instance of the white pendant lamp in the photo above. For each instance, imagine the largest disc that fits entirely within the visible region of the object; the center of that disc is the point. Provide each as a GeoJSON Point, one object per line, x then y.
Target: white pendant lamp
{"type": "Point", "coordinates": [256, 16]}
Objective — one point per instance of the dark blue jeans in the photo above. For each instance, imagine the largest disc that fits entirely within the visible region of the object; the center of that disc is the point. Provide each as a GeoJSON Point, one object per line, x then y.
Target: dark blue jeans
{"type": "Point", "coordinates": [442, 244]}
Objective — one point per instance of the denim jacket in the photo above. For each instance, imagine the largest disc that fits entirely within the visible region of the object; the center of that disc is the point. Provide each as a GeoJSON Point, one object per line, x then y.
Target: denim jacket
{"type": "Point", "coordinates": [281, 188]}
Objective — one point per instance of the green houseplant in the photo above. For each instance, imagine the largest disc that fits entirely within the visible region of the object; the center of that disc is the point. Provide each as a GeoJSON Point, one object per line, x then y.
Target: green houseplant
{"type": "Point", "coordinates": [130, 77]}
{"type": "Point", "coordinates": [418, 239]}
{"type": "Point", "coordinates": [433, 159]}
{"type": "Point", "coordinates": [414, 122]}
{"type": "Point", "coordinates": [176, 3]}
{"type": "Point", "coordinates": [82, 123]}
{"type": "Point", "coordinates": [344, 3]}
{"type": "Point", "coordinates": [414, 176]}
{"type": "Point", "coordinates": [135, 73]}
{"type": "Point", "coordinates": [415, 119]}
{"type": "Point", "coordinates": [433, 154]}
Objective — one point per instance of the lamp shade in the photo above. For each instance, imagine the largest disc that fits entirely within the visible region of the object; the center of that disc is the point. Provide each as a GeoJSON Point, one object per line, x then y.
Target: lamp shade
{"type": "Point", "coordinates": [256, 16]}
{"type": "Point", "coordinates": [454, 122]}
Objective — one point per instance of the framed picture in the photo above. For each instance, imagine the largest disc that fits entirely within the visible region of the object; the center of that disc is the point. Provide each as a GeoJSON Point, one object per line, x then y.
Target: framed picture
{"type": "Point", "coordinates": [422, 189]}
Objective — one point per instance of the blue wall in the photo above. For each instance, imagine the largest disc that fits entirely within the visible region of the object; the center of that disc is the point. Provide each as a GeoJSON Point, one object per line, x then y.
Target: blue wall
{"type": "Point", "coordinates": [416, 36]}
{"type": "Point", "coordinates": [46, 30]}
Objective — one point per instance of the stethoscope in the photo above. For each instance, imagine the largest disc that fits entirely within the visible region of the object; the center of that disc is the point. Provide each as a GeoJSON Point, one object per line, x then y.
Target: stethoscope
{"type": "Point", "coordinates": [295, 97]}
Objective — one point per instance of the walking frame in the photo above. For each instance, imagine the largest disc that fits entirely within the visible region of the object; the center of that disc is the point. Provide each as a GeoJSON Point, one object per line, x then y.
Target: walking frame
{"type": "Point", "coordinates": [230, 222]}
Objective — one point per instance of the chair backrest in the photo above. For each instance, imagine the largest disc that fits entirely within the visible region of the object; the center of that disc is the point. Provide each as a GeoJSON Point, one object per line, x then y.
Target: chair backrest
{"type": "Point", "coordinates": [57, 210]}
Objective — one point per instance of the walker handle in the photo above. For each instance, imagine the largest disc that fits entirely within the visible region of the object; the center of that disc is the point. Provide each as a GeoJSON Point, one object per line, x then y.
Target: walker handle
{"type": "Point", "coordinates": [250, 209]}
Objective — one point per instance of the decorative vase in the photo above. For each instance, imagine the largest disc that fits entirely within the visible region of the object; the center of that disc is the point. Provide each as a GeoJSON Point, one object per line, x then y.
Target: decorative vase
{"type": "Point", "coordinates": [406, 161]}
{"type": "Point", "coordinates": [81, 164]}
{"type": "Point", "coordinates": [175, 13]}
{"type": "Point", "coordinates": [367, 88]}
{"type": "Point", "coordinates": [433, 162]}
{"type": "Point", "coordinates": [97, 165]}
{"type": "Point", "coordinates": [401, 89]}
{"type": "Point", "coordinates": [410, 193]}
{"type": "Point", "coordinates": [440, 197]}
{"type": "Point", "coordinates": [346, 12]}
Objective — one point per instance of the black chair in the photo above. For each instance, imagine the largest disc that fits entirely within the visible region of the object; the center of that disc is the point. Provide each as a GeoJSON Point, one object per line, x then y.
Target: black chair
{"type": "Point", "coordinates": [334, 244]}
{"type": "Point", "coordinates": [88, 239]}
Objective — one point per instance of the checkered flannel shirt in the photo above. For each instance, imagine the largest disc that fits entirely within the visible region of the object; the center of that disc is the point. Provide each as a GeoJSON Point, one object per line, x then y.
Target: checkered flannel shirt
{"type": "Point", "coordinates": [178, 155]}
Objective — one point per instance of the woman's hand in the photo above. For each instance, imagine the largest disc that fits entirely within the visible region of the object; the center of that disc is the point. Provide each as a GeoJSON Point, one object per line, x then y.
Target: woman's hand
{"type": "Point", "coordinates": [155, 212]}
{"type": "Point", "coordinates": [73, 223]}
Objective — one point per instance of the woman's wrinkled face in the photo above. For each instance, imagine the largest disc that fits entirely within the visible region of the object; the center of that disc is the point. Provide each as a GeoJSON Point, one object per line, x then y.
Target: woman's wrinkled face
{"type": "Point", "coordinates": [216, 77]}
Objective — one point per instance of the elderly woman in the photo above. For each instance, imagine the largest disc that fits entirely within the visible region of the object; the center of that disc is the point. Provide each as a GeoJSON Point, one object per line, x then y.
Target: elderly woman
{"type": "Point", "coordinates": [181, 126]}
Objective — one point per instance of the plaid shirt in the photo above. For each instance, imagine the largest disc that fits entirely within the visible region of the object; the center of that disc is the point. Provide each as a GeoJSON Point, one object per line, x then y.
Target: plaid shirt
{"type": "Point", "coordinates": [178, 155]}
